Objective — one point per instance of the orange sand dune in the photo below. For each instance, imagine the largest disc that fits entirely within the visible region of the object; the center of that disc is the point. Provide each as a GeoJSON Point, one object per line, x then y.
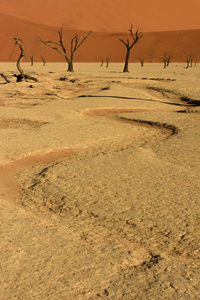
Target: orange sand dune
{"type": "Point", "coordinates": [104, 15]}
{"type": "Point", "coordinates": [99, 44]}
{"type": "Point", "coordinates": [167, 26]}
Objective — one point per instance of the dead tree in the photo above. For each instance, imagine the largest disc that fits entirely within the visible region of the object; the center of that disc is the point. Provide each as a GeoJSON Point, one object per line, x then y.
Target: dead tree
{"type": "Point", "coordinates": [191, 61]}
{"type": "Point", "coordinates": [141, 61]}
{"type": "Point", "coordinates": [31, 57]}
{"type": "Point", "coordinates": [166, 59]}
{"type": "Point", "coordinates": [165, 56]}
{"type": "Point", "coordinates": [22, 54]}
{"type": "Point", "coordinates": [187, 62]}
{"type": "Point", "coordinates": [129, 44]}
{"type": "Point", "coordinates": [107, 62]}
{"type": "Point", "coordinates": [43, 60]}
{"type": "Point", "coordinates": [59, 46]}
{"type": "Point", "coordinates": [169, 59]}
{"type": "Point", "coordinates": [21, 74]}
{"type": "Point", "coordinates": [102, 62]}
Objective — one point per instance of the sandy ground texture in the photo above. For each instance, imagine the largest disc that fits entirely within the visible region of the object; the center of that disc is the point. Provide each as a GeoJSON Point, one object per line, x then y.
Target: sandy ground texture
{"type": "Point", "coordinates": [99, 183]}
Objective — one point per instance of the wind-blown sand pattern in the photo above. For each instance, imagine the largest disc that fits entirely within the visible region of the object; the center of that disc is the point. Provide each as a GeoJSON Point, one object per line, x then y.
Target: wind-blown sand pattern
{"type": "Point", "coordinates": [99, 183]}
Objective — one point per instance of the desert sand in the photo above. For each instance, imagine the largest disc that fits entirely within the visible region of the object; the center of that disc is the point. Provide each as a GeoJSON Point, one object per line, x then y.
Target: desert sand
{"type": "Point", "coordinates": [99, 182]}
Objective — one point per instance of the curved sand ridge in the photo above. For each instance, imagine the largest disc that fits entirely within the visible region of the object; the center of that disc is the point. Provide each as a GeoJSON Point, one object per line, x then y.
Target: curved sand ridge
{"type": "Point", "coordinates": [115, 220]}
{"type": "Point", "coordinates": [7, 171]}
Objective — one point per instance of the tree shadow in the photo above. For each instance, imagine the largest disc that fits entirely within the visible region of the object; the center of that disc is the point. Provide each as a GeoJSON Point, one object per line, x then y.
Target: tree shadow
{"type": "Point", "coordinates": [134, 98]}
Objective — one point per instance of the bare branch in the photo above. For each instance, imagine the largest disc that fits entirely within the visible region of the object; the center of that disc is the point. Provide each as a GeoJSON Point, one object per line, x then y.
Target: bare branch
{"type": "Point", "coordinates": [135, 37]}
{"type": "Point", "coordinates": [138, 35]}
{"type": "Point", "coordinates": [74, 43]}
{"type": "Point", "coordinates": [52, 42]}
{"type": "Point", "coordinates": [5, 78]}
{"type": "Point", "coordinates": [60, 33]}
{"type": "Point", "coordinates": [49, 44]}
{"type": "Point", "coordinates": [83, 39]}
{"type": "Point", "coordinates": [123, 42]}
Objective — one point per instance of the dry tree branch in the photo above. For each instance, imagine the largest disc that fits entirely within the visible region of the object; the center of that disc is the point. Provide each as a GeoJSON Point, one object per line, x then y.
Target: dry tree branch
{"type": "Point", "coordinates": [49, 44]}
{"type": "Point", "coordinates": [5, 78]}
{"type": "Point", "coordinates": [83, 39]}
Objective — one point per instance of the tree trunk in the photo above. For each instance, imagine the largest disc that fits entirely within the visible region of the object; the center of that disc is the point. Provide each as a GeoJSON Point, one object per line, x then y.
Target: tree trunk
{"type": "Point", "coordinates": [107, 62]}
{"type": "Point", "coordinates": [187, 63]}
{"type": "Point", "coordinates": [70, 66]}
{"type": "Point", "coordinates": [127, 60]}
{"type": "Point", "coordinates": [165, 63]}
{"type": "Point", "coordinates": [31, 60]}
{"type": "Point", "coordinates": [70, 63]}
{"type": "Point", "coordinates": [141, 61]}
{"type": "Point", "coordinates": [43, 60]}
{"type": "Point", "coordinates": [19, 64]}
{"type": "Point", "coordinates": [191, 62]}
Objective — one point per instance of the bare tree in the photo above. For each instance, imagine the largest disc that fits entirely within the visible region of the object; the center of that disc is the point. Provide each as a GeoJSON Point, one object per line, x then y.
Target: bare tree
{"type": "Point", "coordinates": [107, 61]}
{"type": "Point", "coordinates": [141, 61]}
{"type": "Point", "coordinates": [21, 74]}
{"type": "Point", "coordinates": [129, 43]}
{"type": "Point", "coordinates": [189, 61]}
{"type": "Point", "coordinates": [102, 62]}
{"type": "Point", "coordinates": [32, 60]}
{"type": "Point", "coordinates": [59, 46]}
{"type": "Point", "coordinates": [43, 60]}
{"type": "Point", "coordinates": [166, 59]}
{"type": "Point", "coordinates": [169, 59]}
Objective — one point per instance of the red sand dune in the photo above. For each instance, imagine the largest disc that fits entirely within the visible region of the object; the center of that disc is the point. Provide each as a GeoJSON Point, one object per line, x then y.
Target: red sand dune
{"type": "Point", "coordinates": [29, 19]}
{"type": "Point", "coordinates": [108, 15]}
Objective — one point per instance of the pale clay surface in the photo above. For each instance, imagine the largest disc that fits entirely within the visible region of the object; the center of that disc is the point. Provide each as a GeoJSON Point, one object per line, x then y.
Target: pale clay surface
{"type": "Point", "coordinates": [93, 206]}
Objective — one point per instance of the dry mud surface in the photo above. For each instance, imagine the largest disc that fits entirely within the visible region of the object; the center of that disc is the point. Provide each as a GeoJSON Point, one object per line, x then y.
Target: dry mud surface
{"type": "Point", "coordinates": [99, 183]}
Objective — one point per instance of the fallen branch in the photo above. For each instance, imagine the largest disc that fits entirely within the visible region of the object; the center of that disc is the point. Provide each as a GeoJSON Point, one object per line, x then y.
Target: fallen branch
{"type": "Point", "coordinates": [5, 78]}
